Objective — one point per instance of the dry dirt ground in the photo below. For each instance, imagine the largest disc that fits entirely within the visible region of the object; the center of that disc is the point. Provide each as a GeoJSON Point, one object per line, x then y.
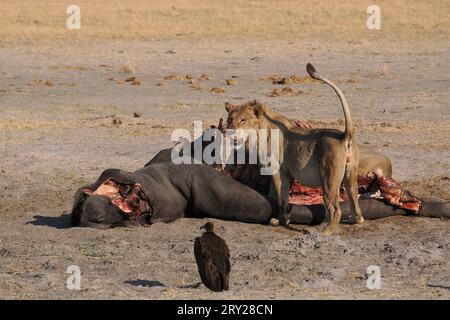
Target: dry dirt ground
{"type": "Point", "coordinates": [57, 107]}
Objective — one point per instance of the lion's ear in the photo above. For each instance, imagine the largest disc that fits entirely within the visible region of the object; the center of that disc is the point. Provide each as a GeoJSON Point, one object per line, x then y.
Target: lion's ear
{"type": "Point", "coordinates": [259, 110]}
{"type": "Point", "coordinates": [229, 107]}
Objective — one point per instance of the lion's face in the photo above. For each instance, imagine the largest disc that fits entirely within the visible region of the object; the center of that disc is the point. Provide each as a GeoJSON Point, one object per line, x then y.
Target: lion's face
{"type": "Point", "coordinates": [246, 120]}
{"type": "Point", "coordinates": [246, 116]}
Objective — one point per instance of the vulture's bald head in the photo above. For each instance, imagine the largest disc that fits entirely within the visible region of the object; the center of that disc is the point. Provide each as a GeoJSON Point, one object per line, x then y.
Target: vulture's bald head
{"type": "Point", "coordinates": [209, 227]}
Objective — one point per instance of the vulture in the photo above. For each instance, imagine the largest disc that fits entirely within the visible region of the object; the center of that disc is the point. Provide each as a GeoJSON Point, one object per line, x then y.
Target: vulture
{"type": "Point", "coordinates": [213, 259]}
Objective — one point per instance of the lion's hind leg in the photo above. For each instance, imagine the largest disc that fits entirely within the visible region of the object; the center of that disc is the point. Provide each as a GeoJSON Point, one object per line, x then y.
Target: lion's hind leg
{"type": "Point", "coordinates": [351, 187]}
{"type": "Point", "coordinates": [331, 182]}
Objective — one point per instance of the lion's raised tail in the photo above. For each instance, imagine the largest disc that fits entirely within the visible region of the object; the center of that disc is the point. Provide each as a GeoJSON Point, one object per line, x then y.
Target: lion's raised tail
{"type": "Point", "coordinates": [349, 129]}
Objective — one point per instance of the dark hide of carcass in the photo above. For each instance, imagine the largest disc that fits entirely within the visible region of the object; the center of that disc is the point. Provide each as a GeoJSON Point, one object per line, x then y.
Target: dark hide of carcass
{"type": "Point", "coordinates": [169, 192]}
{"type": "Point", "coordinates": [163, 191]}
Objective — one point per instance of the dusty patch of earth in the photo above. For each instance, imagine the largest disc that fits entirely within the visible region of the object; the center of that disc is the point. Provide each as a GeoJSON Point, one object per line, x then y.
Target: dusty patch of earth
{"type": "Point", "coordinates": [57, 111]}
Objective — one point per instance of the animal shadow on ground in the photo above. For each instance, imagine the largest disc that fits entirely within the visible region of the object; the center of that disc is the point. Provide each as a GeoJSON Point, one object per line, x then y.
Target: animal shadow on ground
{"type": "Point", "coordinates": [191, 286]}
{"type": "Point", "coordinates": [145, 283]}
{"type": "Point", "coordinates": [60, 222]}
{"type": "Point", "coordinates": [299, 230]}
{"type": "Point", "coordinates": [438, 286]}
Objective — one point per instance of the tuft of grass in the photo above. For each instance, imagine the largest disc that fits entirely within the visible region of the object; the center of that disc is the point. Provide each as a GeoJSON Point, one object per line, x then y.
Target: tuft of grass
{"type": "Point", "coordinates": [90, 250]}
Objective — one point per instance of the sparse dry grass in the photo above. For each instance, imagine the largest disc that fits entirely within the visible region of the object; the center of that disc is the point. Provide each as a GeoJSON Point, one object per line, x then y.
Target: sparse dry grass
{"type": "Point", "coordinates": [32, 21]}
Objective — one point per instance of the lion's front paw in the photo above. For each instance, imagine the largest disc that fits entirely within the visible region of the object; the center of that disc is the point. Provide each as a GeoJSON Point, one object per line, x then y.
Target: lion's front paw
{"type": "Point", "coordinates": [359, 220]}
